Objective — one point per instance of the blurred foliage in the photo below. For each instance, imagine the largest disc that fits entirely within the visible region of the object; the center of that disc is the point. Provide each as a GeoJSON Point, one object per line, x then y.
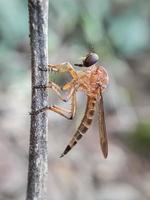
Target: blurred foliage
{"type": "Point", "coordinates": [109, 27]}
{"type": "Point", "coordinates": [13, 39]}
{"type": "Point", "coordinates": [123, 25]}
{"type": "Point", "coordinates": [139, 141]}
{"type": "Point", "coordinates": [103, 25]}
{"type": "Point", "coordinates": [13, 23]}
{"type": "Point", "coordinates": [127, 41]}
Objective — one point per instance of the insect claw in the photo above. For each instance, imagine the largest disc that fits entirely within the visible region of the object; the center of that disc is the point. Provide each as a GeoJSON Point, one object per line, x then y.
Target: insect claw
{"type": "Point", "coordinates": [71, 117]}
{"type": "Point", "coordinates": [40, 87]}
{"type": "Point", "coordinates": [64, 100]}
{"type": "Point", "coordinates": [62, 155]}
{"type": "Point", "coordinates": [33, 113]}
{"type": "Point", "coordinates": [61, 87]}
{"type": "Point", "coordinates": [36, 112]}
{"type": "Point", "coordinates": [30, 113]}
{"type": "Point", "coordinates": [43, 70]}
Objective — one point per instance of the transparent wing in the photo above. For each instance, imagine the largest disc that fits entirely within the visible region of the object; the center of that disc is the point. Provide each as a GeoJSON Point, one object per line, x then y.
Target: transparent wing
{"type": "Point", "coordinates": [102, 128]}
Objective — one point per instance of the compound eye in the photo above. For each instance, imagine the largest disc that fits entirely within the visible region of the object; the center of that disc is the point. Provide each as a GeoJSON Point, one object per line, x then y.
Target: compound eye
{"type": "Point", "coordinates": [90, 59]}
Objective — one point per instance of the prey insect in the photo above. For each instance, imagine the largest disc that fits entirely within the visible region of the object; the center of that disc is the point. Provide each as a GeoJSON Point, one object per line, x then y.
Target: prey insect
{"type": "Point", "coordinates": [92, 81]}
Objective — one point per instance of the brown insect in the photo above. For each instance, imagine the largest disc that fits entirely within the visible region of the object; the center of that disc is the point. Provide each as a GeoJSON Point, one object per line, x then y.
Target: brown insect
{"type": "Point", "coordinates": [92, 81]}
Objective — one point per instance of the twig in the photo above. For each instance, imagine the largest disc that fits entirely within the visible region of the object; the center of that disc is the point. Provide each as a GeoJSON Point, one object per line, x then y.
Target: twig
{"type": "Point", "coordinates": [38, 153]}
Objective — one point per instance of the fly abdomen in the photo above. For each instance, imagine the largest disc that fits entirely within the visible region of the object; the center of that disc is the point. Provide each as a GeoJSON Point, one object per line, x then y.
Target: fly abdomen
{"type": "Point", "coordinates": [84, 126]}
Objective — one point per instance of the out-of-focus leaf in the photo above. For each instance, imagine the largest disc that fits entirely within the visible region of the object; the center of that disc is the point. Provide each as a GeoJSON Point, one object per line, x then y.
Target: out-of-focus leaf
{"type": "Point", "coordinates": [13, 23]}
{"type": "Point", "coordinates": [92, 29]}
{"type": "Point", "coordinates": [92, 19]}
{"type": "Point", "coordinates": [54, 40]}
{"type": "Point", "coordinates": [63, 15]}
{"type": "Point", "coordinates": [130, 33]}
{"type": "Point", "coordinates": [98, 9]}
{"type": "Point", "coordinates": [140, 140]}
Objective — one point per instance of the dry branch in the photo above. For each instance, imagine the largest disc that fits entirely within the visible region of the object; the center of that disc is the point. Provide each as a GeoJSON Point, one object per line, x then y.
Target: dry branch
{"type": "Point", "coordinates": [38, 153]}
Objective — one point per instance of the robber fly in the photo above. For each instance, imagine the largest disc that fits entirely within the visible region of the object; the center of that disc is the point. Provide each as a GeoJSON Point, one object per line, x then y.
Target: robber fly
{"type": "Point", "coordinates": [92, 81]}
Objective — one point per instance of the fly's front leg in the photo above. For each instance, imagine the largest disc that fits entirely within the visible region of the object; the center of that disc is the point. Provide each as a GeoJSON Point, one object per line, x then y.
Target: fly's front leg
{"type": "Point", "coordinates": [64, 67]}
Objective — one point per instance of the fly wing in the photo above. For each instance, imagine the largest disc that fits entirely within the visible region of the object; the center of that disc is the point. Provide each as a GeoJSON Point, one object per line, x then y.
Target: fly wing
{"type": "Point", "coordinates": [102, 128]}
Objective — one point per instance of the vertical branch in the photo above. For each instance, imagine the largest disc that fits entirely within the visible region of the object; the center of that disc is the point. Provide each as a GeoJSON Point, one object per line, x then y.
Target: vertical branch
{"type": "Point", "coordinates": [38, 153]}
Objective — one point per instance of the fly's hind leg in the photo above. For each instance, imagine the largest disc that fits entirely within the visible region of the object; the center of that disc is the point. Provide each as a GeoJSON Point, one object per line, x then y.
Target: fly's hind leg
{"type": "Point", "coordinates": [67, 113]}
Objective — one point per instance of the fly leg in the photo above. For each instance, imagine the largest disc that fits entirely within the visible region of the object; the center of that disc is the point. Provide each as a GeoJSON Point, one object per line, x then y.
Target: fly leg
{"type": "Point", "coordinates": [67, 113]}
{"type": "Point", "coordinates": [57, 89]}
{"type": "Point", "coordinates": [51, 85]}
{"type": "Point", "coordinates": [64, 67]}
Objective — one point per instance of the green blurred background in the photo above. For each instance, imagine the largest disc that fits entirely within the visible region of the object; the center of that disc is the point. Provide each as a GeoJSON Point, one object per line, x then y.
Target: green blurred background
{"type": "Point", "coordinates": [119, 32]}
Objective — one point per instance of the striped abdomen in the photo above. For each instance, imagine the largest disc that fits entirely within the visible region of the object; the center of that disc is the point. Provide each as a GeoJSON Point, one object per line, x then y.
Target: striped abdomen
{"type": "Point", "coordinates": [84, 126]}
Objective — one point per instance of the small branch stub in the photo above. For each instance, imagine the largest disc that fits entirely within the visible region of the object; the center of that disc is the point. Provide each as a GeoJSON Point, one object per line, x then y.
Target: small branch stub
{"type": "Point", "coordinates": [38, 153]}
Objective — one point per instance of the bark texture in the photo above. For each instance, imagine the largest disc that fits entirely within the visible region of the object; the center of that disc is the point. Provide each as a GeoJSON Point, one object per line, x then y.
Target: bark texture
{"type": "Point", "coordinates": [38, 153]}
